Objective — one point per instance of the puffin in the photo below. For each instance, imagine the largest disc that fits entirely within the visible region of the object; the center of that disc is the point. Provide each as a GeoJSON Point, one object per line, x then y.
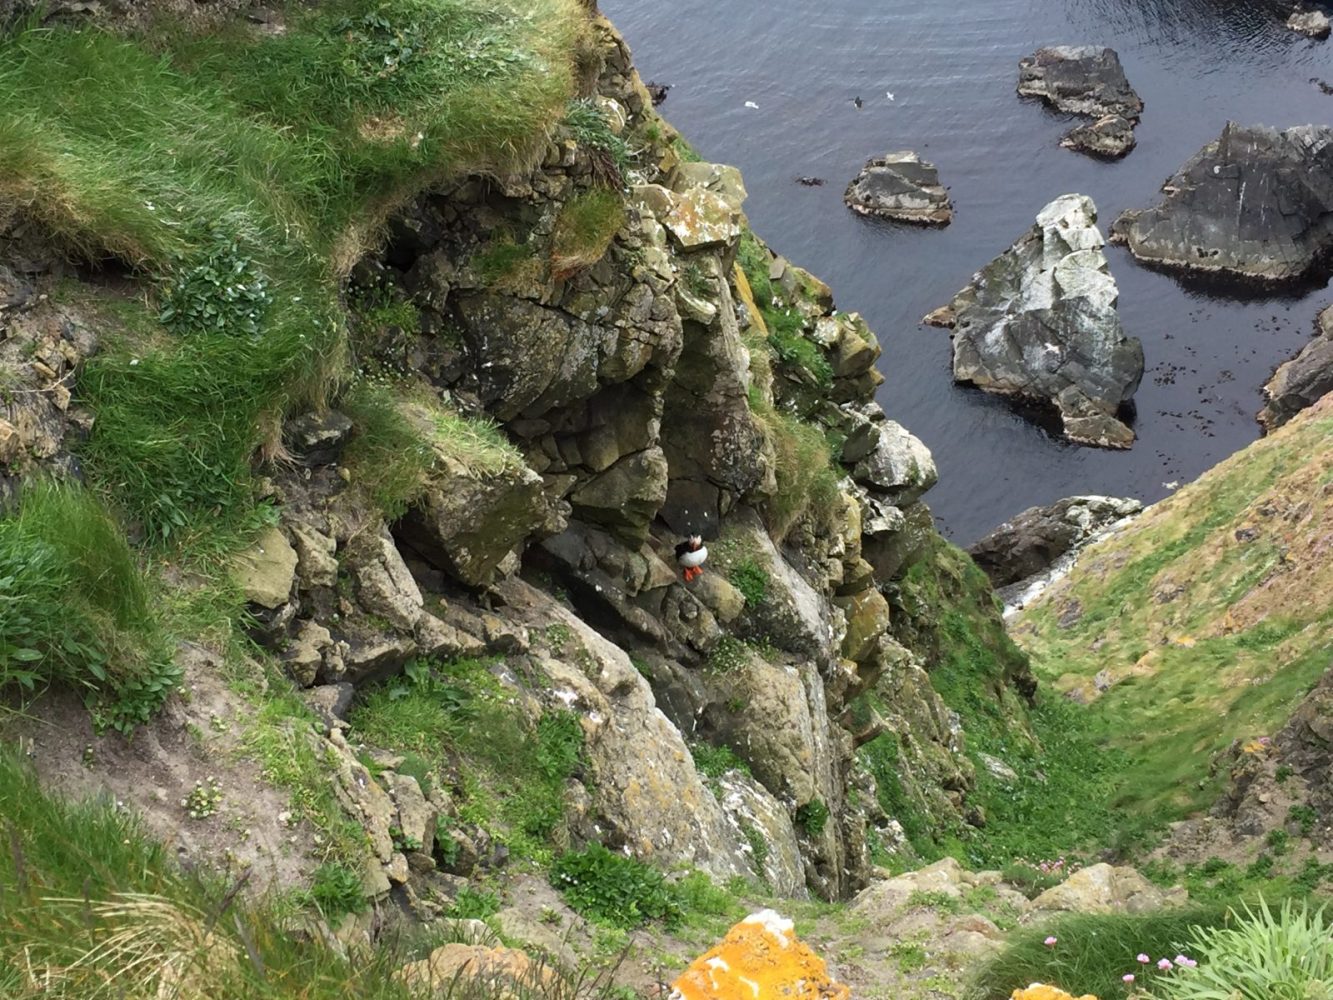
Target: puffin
{"type": "Point", "coordinates": [691, 554]}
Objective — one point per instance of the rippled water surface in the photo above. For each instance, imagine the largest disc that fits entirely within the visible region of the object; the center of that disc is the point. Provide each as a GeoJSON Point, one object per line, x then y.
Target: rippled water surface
{"type": "Point", "coordinates": [952, 68]}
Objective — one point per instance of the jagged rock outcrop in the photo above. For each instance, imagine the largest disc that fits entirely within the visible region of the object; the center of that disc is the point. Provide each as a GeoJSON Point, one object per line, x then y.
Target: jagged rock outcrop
{"type": "Point", "coordinates": [1311, 23]}
{"type": "Point", "coordinates": [1039, 322]}
{"type": "Point", "coordinates": [1257, 204]}
{"type": "Point", "coordinates": [1030, 542]}
{"type": "Point", "coordinates": [900, 186]}
{"type": "Point", "coordinates": [1085, 80]}
{"type": "Point", "coordinates": [1303, 380]}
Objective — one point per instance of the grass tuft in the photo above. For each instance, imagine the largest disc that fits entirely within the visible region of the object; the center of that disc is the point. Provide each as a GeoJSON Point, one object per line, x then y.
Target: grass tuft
{"type": "Point", "coordinates": [584, 230]}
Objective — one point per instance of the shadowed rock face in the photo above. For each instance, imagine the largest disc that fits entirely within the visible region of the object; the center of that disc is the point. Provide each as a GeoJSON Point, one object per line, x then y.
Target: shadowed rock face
{"type": "Point", "coordinates": [900, 186]}
{"type": "Point", "coordinates": [1256, 204]}
{"type": "Point", "coordinates": [1039, 322]}
{"type": "Point", "coordinates": [1303, 380]}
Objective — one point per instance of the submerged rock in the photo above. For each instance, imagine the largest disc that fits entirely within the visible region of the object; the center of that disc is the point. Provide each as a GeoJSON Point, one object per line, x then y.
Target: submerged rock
{"type": "Point", "coordinates": [1313, 23]}
{"type": "Point", "coordinates": [1085, 80]}
{"type": "Point", "coordinates": [1256, 204]}
{"type": "Point", "coordinates": [1303, 380]}
{"type": "Point", "coordinates": [1110, 137]}
{"type": "Point", "coordinates": [900, 186]}
{"type": "Point", "coordinates": [1033, 540]}
{"type": "Point", "coordinates": [1039, 322]}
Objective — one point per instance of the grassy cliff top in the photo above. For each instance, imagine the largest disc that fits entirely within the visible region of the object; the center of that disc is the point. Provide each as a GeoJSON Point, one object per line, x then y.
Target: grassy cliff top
{"type": "Point", "coordinates": [1205, 616]}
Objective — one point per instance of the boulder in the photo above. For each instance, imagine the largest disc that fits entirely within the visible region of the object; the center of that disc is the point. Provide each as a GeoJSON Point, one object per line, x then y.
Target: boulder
{"type": "Point", "coordinates": [1109, 137]}
{"type": "Point", "coordinates": [476, 970]}
{"type": "Point", "coordinates": [1079, 80]}
{"type": "Point", "coordinates": [900, 186]}
{"type": "Point", "coordinates": [1102, 888]}
{"type": "Point", "coordinates": [1313, 23]}
{"type": "Point", "coordinates": [1030, 542]}
{"type": "Point", "coordinates": [759, 957]}
{"type": "Point", "coordinates": [1257, 204]}
{"type": "Point", "coordinates": [1039, 322]}
{"type": "Point", "coordinates": [265, 570]}
{"type": "Point", "coordinates": [899, 467]}
{"type": "Point", "coordinates": [1303, 380]}
{"type": "Point", "coordinates": [318, 438]}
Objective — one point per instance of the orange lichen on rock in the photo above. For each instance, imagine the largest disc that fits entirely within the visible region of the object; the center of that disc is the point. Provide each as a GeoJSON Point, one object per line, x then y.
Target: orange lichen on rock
{"type": "Point", "coordinates": [1039, 991]}
{"type": "Point", "coordinates": [759, 959]}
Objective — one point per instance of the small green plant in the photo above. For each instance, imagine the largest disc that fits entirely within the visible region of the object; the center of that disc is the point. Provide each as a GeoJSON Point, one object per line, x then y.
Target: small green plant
{"type": "Point", "coordinates": [1277, 841]}
{"type": "Point", "coordinates": [203, 799]}
{"type": "Point", "coordinates": [751, 579]}
{"type": "Point", "coordinates": [416, 766]}
{"type": "Point", "coordinates": [728, 654]}
{"type": "Point", "coordinates": [1305, 817]}
{"type": "Point", "coordinates": [474, 904]}
{"type": "Point", "coordinates": [812, 817]}
{"type": "Point", "coordinates": [1266, 953]}
{"type": "Point", "coordinates": [1283, 772]}
{"type": "Point", "coordinates": [759, 849]}
{"type": "Point", "coordinates": [940, 901]}
{"type": "Point", "coordinates": [584, 230]}
{"type": "Point", "coordinates": [715, 761]}
{"type": "Point", "coordinates": [1033, 879]}
{"type": "Point", "coordinates": [806, 479]}
{"type": "Point", "coordinates": [589, 126]}
{"type": "Point", "coordinates": [503, 260]}
{"type": "Point", "coordinates": [910, 955]}
{"type": "Point", "coordinates": [337, 890]}
{"type": "Point", "coordinates": [614, 889]}
{"type": "Point", "coordinates": [221, 292]}
{"type": "Point", "coordinates": [402, 842]}
{"type": "Point", "coordinates": [1261, 867]}
{"type": "Point", "coordinates": [557, 636]}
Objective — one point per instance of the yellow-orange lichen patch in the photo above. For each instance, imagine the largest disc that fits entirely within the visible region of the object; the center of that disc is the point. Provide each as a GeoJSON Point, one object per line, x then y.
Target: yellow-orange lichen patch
{"type": "Point", "coordinates": [1040, 991]}
{"type": "Point", "coordinates": [759, 959]}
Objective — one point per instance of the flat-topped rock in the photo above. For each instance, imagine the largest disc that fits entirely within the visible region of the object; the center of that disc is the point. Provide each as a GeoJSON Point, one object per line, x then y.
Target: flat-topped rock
{"type": "Point", "coordinates": [1039, 322]}
{"type": "Point", "coordinates": [1256, 204]}
{"type": "Point", "coordinates": [1109, 137]}
{"type": "Point", "coordinates": [1303, 380]}
{"type": "Point", "coordinates": [900, 186]}
{"type": "Point", "coordinates": [1085, 80]}
{"type": "Point", "coordinates": [1313, 23]}
{"type": "Point", "coordinates": [1079, 80]}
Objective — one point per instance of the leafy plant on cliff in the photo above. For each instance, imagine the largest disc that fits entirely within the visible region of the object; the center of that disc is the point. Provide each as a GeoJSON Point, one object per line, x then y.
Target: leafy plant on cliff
{"type": "Point", "coordinates": [751, 579]}
{"type": "Point", "coordinates": [589, 126]}
{"type": "Point", "coordinates": [614, 889]}
{"type": "Point", "coordinates": [807, 483]}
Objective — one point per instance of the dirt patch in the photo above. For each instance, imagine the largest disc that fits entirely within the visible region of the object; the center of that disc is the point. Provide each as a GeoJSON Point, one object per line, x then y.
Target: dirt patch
{"type": "Point", "coordinates": [197, 737]}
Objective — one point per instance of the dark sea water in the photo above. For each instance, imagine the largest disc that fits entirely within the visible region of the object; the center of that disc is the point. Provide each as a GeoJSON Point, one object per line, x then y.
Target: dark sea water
{"type": "Point", "coordinates": [952, 68]}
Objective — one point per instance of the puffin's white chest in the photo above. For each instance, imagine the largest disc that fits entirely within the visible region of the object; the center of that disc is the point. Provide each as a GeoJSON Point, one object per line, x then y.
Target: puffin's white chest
{"type": "Point", "coordinates": [696, 558]}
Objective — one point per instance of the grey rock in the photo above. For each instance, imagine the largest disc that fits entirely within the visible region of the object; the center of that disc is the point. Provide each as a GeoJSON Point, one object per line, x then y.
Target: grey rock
{"type": "Point", "coordinates": [1257, 204]}
{"type": "Point", "coordinates": [265, 570]}
{"type": "Point", "coordinates": [900, 186]}
{"type": "Point", "coordinates": [899, 467]}
{"type": "Point", "coordinates": [1303, 380]}
{"type": "Point", "coordinates": [330, 702]}
{"type": "Point", "coordinates": [1029, 543]}
{"type": "Point", "coordinates": [1109, 137]}
{"type": "Point", "coordinates": [1081, 80]}
{"type": "Point", "coordinates": [318, 438]}
{"type": "Point", "coordinates": [1313, 23]}
{"type": "Point", "coordinates": [1039, 322]}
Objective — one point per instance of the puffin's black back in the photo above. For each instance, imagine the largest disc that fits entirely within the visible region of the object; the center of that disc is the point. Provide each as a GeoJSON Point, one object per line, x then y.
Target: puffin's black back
{"type": "Point", "coordinates": [682, 548]}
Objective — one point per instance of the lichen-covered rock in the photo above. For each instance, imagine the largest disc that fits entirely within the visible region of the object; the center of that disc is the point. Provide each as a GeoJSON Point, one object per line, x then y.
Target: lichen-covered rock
{"type": "Point", "coordinates": [760, 957]}
{"type": "Point", "coordinates": [1255, 204]}
{"type": "Point", "coordinates": [1040, 322]}
{"type": "Point", "coordinates": [1303, 380]}
{"type": "Point", "coordinates": [1040, 991]}
{"type": "Point", "coordinates": [899, 467]}
{"type": "Point", "coordinates": [265, 570]}
{"type": "Point", "coordinates": [1031, 541]}
{"type": "Point", "coordinates": [765, 828]}
{"type": "Point", "coordinates": [627, 496]}
{"type": "Point", "coordinates": [1109, 137]}
{"type": "Point", "coordinates": [1312, 23]}
{"type": "Point", "coordinates": [900, 186]}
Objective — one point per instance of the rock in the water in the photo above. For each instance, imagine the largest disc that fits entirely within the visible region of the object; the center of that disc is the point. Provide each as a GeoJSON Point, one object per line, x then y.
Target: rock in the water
{"type": "Point", "coordinates": [1085, 80]}
{"type": "Point", "coordinates": [1303, 380]}
{"type": "Point", "coordinates": [1313, 23]}
{"type": "Point", "coordinates": [759, 957]}
{"type": "Point", "coordinates": [1110, 137]}
{"type": "Point", "coordinates": [1039, 322]}
{"type": "Point", "coordinates": [1256, 204]}
{"type": "Point", "coordinates": [900, 186]}
{"type": "Point", "coordinates": [1032, 541]}
{"type": "Point", "coordinates": [1080, 80]}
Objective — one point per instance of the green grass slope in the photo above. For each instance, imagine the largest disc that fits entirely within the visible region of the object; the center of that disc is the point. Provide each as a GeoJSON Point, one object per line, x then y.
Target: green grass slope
{"type": "Point", "coordinates": [1208, 618]}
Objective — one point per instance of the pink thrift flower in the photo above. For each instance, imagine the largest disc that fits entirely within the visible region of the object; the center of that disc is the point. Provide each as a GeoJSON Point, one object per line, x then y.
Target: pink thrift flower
{"type": "Point", "coordinates": [1050, 942]}
{"type": "Point", "coordinates": [1144, 959]}
{"type": "Point", "coordinates": [1128, 977]}
{"type": "Point", "coordinates": [1188, 963]}
{"type": "Point", "coordinates": [1164, 964]}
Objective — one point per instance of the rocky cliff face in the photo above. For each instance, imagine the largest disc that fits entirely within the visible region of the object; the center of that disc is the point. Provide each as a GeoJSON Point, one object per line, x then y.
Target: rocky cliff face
{"type": "Point", "coordinates": [648, 369]}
